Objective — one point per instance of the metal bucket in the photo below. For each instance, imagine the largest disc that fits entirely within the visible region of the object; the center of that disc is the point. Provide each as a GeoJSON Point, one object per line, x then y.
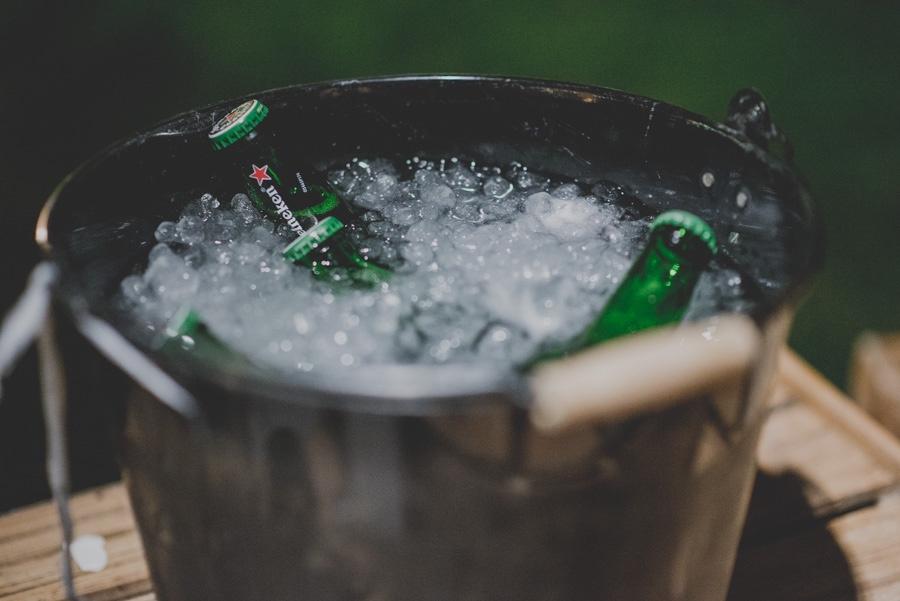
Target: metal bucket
{"type": "Point", "coordinates": [442, 483]}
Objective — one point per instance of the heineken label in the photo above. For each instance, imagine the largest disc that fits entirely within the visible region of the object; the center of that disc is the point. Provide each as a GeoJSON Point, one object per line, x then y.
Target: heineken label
{"type": "Point", "coordinates": [268, 190]}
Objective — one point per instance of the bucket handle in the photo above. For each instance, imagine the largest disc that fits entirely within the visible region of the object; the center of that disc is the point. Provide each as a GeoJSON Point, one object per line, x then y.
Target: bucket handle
{"type": "Point", "coordinates": [648, 371]}
{"type": "Point", "coordinates": [748, 113]}
{"type": "Point", "coordinates": [141, 369]}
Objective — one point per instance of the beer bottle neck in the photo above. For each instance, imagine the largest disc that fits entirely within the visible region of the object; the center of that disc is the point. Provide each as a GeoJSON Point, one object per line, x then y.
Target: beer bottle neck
{"type": "Point", "coordinates": [657, 289]}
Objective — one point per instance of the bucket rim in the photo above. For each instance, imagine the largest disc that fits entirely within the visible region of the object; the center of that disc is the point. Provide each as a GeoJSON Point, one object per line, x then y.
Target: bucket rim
{"type": "Point", "coordinates": [403, 389]}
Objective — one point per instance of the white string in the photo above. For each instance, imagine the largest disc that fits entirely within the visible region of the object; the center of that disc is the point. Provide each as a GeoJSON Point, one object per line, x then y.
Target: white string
{"type": "Point", "coordinates": [53, 395]}
{"type": "Point", "coordinates": [21, 325]}
{"type": "Point", "coordinates": [31, 318]}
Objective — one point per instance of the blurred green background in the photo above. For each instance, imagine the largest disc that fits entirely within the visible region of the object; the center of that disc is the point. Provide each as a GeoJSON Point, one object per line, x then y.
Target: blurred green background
{"type": "Point", "coordinates": [78, 75]}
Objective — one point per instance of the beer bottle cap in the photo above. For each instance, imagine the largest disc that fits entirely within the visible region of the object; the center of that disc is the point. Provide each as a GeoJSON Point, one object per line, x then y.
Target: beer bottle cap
{"type": "Point", "coordinates": [691, 223]}
{"type": "Point", "coordinates": [239, 122]}
{"type": "Point", "coordinates": [183, 323]}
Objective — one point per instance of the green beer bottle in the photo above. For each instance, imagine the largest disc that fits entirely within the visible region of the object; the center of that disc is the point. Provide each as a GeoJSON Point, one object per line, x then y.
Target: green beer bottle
{"type": "Point", "coordinates": [295, 196]}
{"type": "Point", "coordinates": [186, 332]}
{"type": "Point", "coordinates": [658, 286]}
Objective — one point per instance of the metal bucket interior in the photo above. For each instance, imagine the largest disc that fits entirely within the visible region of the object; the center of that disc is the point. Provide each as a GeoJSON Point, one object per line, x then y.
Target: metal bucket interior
{"type": "Point", "coordinates": [445, 491]}
{"type": "Point", "coordinates": [99, 224]}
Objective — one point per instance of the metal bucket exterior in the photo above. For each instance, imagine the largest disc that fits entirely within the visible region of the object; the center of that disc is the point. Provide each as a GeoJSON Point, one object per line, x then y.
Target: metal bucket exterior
{"type": "Point", "coordinates": [271, 502]}
{"type": "Point", "coordinates": [266, 498]}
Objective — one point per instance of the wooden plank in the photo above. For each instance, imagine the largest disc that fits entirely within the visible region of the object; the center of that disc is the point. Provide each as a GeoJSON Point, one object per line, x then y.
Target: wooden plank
{"type": "Point", "coordinates": [855, 557]}
{"type": "Point", "coordinates": [40, 517]}
{"type": "Point", "coordinates": [43, 541]}
{"type": "Point", "coordinates": [29, 550]}
{"type": "Point", "coordinates": [846, 416]}
{"type": "Point", "coordinates": [871, 540]}
{"type": "Point", "coordinates": [812, 462]}
{"type": "Point", "coordinates": [796, 440]}
{"type": "Point", "coordinates": [875, 377]}
{"type": "Point", "coordinates": [125, 576]}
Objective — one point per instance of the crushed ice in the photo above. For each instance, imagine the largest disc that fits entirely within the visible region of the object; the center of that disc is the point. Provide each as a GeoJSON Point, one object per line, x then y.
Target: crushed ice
{"type": "Point", "coordinates": [490, 265]}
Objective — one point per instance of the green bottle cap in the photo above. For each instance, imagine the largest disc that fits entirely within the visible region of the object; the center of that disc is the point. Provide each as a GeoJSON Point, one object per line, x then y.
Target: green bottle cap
{"type": "Point", "coordinates": [183, 323]}
{"type": "Point", "coordinates": [689, 222]}
{"type": "Point", "coordinates": [317, 234]}
{"type": "Point", "coordinates": [239, 122]}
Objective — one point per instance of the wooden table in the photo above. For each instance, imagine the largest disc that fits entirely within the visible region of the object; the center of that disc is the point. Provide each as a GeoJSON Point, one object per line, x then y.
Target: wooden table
{"type": "Point", "coordinates": [824, 522]}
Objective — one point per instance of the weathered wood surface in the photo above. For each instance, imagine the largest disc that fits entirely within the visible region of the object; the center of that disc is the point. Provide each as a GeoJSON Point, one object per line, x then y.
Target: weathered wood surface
{"type": "Point", "coordinates": [824, 525]}
{"type": "Point", "coordinates": [29, 550]}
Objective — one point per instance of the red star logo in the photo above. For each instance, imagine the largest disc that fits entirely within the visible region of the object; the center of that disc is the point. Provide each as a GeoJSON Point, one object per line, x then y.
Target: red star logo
{"type": "Point", "coordinates": [260, 174]}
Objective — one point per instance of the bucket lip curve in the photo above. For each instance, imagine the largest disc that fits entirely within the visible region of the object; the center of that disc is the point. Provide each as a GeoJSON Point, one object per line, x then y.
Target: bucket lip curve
{"type": "Point", "coordinates": [405, 389]}
{"type": "Point", "coordinates": [588, 93]}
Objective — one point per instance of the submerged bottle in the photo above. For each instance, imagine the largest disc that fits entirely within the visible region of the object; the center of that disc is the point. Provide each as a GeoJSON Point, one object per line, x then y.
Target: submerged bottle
{"type": "Point", "coordinates": [657, 288]}
{"type": "Point", "coordinates": [186, 332]}
{"type": "Point", "coordinates": [293, 195]}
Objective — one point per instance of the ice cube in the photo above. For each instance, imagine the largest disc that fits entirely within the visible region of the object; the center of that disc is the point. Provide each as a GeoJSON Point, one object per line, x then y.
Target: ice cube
{"type": "Point", "coordinates": [439, 195]}
{"type": "Point", "coordinates": [244, 209]}
{"type": "Point", "coordinates": [166, 232]}
{"type": "Point", "coordinates": [497, 187]}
